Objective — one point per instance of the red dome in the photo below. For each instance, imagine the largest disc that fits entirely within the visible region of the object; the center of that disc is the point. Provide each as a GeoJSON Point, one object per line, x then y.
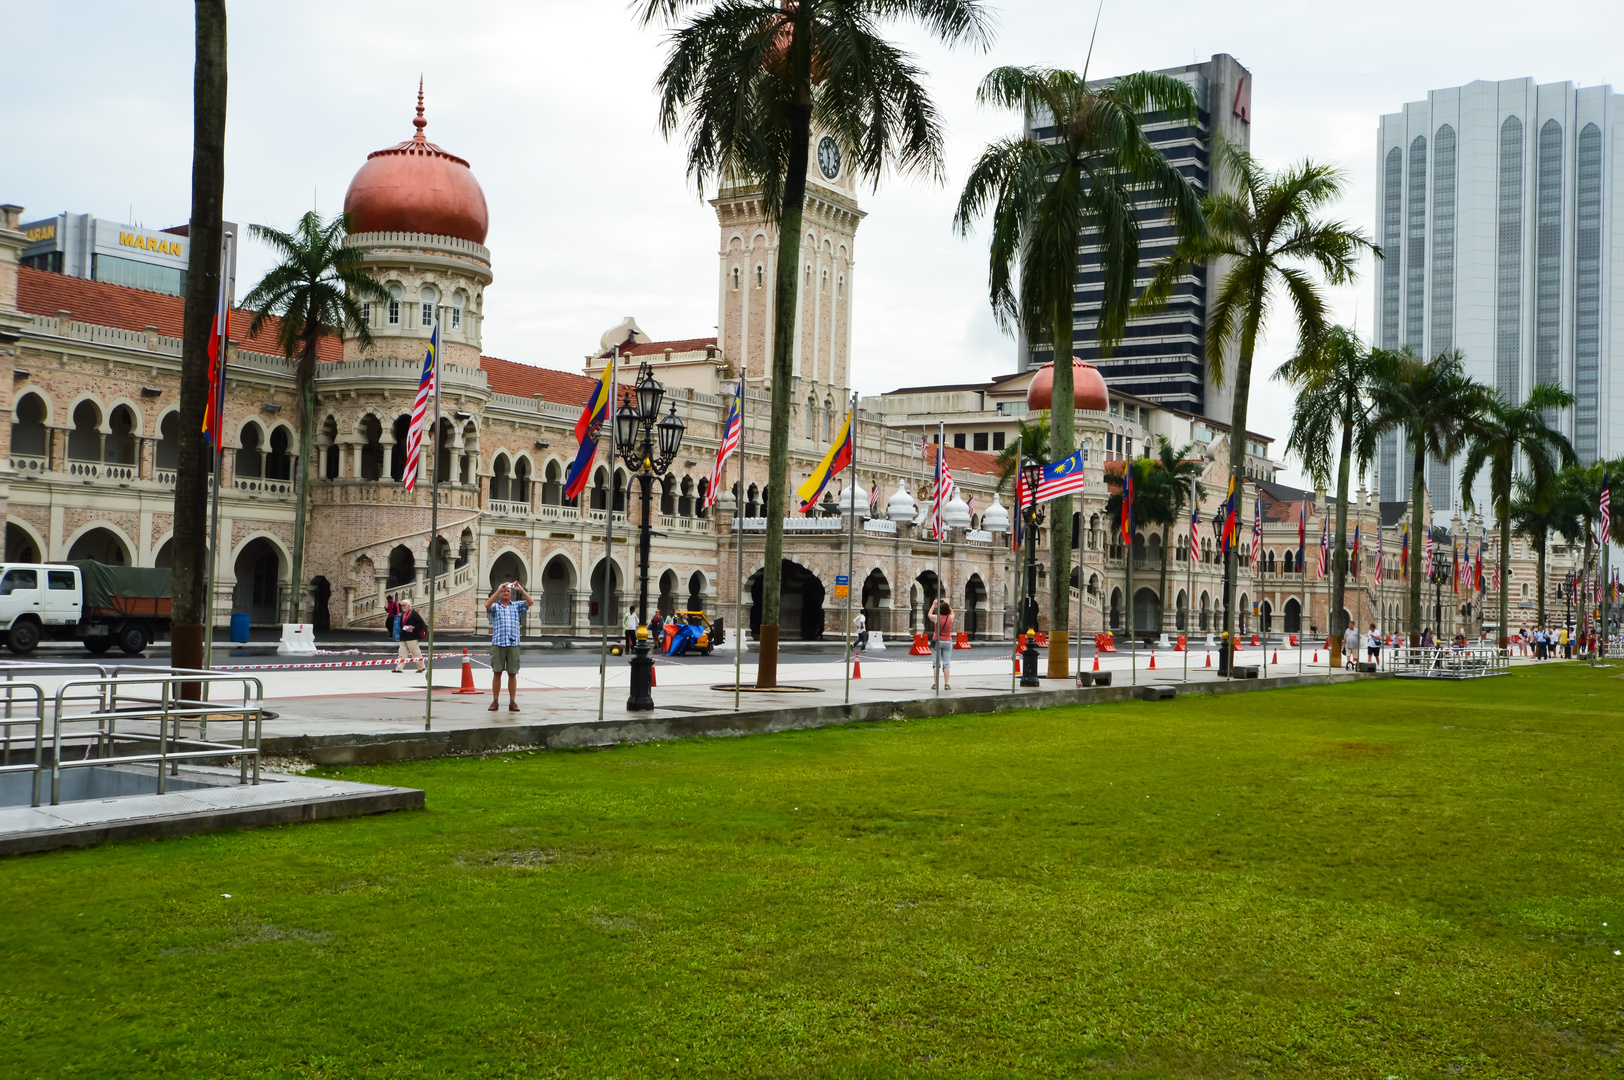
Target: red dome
{"type": "Point", "coordinates": [1087, 385]}
{"type": "Point", "coordinates": [417, 187]}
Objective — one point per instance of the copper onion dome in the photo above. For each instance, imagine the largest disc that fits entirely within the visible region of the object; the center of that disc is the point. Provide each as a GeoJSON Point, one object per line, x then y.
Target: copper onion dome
{"type": "Point", "coordinates": [417, 187]}
{"type": "Point", "coordinates": [1087, 384]}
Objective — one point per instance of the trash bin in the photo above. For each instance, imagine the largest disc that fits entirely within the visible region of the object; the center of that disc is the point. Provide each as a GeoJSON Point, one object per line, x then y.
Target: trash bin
{"type": "Point", "coordinates": [239, 627]}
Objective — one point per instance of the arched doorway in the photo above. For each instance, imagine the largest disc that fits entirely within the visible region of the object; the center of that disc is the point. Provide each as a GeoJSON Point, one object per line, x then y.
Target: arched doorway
{"type": "Point", "coordinates": [257, 592]}
{"type": "Point", "coordinates": [508, 567]}
{"type": "Point", "coordinates": [1243, 615]}
{"type": "Point", "coordinates": [667, 602]}
{"type": "Point", "coordinates": [801, 603]}
{"type": "Point", "coordinates": [1293, 617]}
{"type": "Point", "coordinates": [975, 605]}
{"type": "Point", "coordinates": [1147, 611]}
{"type": "Point", "coordinates": [696, 591]}
{"type": "Point", "coordinates": [876, 601]}
{"type": "Point", "coordinates": [402, 568]}
{"type": "Point", "coordinates": [1116, 608]}
{"type": "Point", "coordinates": [1266, 616]}
{"type": "Point", "coordinates": [102, 545]}
{"type": "Point", "coordinates": [595, 605]}
{"type": "Point", "coordinates": [320, 617]}
{"type": "Point", "coordinates": [557, 583]}
{"type": "Point", "coordinates": [1206, 611]}
{"type": "Point", "coordinates": [20, 547]}
{"type": "Point", "coordinates": [1181, 609]}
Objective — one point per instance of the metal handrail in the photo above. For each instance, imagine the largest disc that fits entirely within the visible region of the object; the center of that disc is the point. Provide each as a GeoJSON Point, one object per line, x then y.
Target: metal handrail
{"type": "Point", "coordinates": [1446, 661]}
{"type": "Point", "coordinates": [171, 711]}
{"type": "Point", "coordinates": [38, 722]}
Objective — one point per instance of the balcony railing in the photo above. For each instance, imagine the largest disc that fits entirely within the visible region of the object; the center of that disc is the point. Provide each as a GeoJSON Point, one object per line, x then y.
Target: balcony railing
{"type": "Point", "coordinates": [29, 464]}
{"type": "Point", "coordinates": [100, 470]}
{"type": "Point", "coordinates": [795, 524]}
{"type": "Point", "coordinates": [880, 525]}
{"type": "Point", "coordinates": [545, 512]}
{"type": "Point", "coordinates": [261, 485]}
{"type": "Point", "coordinates": [507, 508]}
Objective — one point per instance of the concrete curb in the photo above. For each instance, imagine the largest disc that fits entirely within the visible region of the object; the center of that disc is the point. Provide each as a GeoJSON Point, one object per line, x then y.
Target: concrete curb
{"type": "Point", "coordinates": [364, 749]}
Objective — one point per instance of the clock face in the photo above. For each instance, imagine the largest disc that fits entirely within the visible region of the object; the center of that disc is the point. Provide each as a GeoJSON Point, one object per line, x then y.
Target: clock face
{"type": "Point", "coordinates": [828, 158]}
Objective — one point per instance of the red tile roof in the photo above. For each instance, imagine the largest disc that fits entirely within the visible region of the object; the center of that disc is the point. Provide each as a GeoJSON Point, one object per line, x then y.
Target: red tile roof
{"type": "Point", "coordinates": [657, 348]}
{"type": "Point", "coordinates": [40, 292]}
{"type": "Point", "coordinates": [965, 460]}
{"type": "Point", "coordinates": [527, 380]}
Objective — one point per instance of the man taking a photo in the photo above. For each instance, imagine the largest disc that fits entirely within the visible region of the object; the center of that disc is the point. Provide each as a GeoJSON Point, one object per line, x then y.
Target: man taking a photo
{"type": "Point", "coordinates": [505, 614]}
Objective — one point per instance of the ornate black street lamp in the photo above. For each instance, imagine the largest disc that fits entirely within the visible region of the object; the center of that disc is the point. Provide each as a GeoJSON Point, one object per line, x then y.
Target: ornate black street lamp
{"type": "Point", "coordinates": [1439, 577]}
{"type": "Point", "coordinates": [1032, 473]}
{"type": "Point", "coordinates": [647, 448]}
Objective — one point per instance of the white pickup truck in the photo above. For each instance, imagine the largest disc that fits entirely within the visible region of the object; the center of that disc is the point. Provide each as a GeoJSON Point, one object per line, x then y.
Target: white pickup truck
{"type": "Point", "coordinates": [85, 601]}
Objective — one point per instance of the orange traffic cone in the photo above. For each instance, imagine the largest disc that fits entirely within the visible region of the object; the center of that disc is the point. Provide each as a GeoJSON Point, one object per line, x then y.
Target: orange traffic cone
{"type": "Point", "coordinates": [652, 681]}
{"type": "Point", "coordinates": [857, 667]}
{"type": "Point", "coordinates": [1096, 661]}
{"type": "Point", "coordinates": [1316, 657]}
{"type": "Point", "coordinates": [1209, 658]}
{"type": "Point", "coordinates": [1276, 659]}
{"type": "Point", "coordinates": [467, 686]}
{"type": "Point", "coordinates": [1153, 660]}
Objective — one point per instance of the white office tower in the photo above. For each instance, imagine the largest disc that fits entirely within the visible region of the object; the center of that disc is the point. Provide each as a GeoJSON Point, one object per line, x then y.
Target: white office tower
{"type": "Point", "coordinates": [1498, 208]}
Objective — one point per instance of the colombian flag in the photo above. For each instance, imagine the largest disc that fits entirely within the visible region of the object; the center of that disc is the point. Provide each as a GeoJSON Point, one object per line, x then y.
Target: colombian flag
{"type": "Point", "coordinates": [1227, 533]}
{"type": "Point", "coordinates": [594, 416]}
{"type": "Point", "coordinates": [838, 457]}
{"type": "Point", "coordinates": [1127, 506]}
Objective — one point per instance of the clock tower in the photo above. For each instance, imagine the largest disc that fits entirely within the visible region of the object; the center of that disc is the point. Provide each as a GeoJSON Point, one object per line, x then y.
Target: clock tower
{"type": "Point", "coordinates": [748, 277]}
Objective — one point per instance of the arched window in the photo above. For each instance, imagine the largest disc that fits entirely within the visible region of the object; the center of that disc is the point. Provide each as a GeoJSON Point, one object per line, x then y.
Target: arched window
{"type": "Point", "coordinates": [371, 448]}
{"type": "Point", "coordinates": [552, 485]}
{"type": "Point", "coordinates": [166, 455]}
{"type": "Point", "coordinates": [119, 448]}
{"type": "Point", "coordinates": [329, 431]}
{"type": "Point", "coordinates": [429, 297]}
{"type": "Point", "coordinates": [279, 461]}
{"type": "Point", "coordinates": [250, 460]}
{"type": "Point", "coordinates": [735, 279]}
{"type": "Point", "coordinates": [828, 420]}
{"type": "Point", "coordinates": [700, 508]}
{"type": "Point", "coordinates": [85, 440]}
{"type": "Point", "coordinates": [811, 418]}
{"type": "Point", "coordinates": [459, 300]}
{"type": "Point", "coordinates": [600, 490]}
{"type": "Point", "coordinates": [685, 497]}
{"type": "Point", "coordinates": [668, 495]}
{"type": "Point", "coordinates": [751, 507]}
{"type": "Point", "coordinates": [395, 297]}
{"type": "Point", "coordinates": [397, 452]}
{"type": "Point", "coordinates": [1288, 562]}
{"type": "Point", "coordinates": [500, 481]}
{"type": "Point", "coordinates": [521, 480]}
{"type": "Point", "coordinates": [28, 434]}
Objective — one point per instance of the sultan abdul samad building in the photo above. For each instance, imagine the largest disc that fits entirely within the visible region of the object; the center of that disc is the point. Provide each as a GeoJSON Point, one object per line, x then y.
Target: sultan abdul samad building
{"type": "Point", "coordinates": [90, 463]}
{"type": "Point", "coordinates": [95, 393]}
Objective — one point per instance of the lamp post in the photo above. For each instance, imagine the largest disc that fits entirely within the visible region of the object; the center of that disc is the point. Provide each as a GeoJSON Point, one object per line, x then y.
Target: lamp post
{"type": "Point", "coordinates": [1032, 472]}
{"type": "Point", "coordinates": [648, 444]}
{"type": "Point", "coordinates": [1439, 575]}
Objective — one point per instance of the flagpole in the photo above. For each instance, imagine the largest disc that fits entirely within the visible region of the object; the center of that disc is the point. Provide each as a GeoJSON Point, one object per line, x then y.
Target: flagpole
{"type": "Point", "coordinates": [608, 529]}
{"type": "Point", "coordinates": [738, 542]}
{"type": "Point", "coordinates": [434, 521]}
{"type": "Point", "coordinates": [1189, 584]}
{"type": "Point", "coordinates": [214, 497]}
{"type": "Point", "coordinates": [851, 532]}
{"type": "Point", "coordinates": [940, 525]}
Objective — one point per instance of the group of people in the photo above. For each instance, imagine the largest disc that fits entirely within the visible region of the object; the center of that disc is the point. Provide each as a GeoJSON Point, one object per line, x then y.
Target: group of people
{"type": "Point", "coordinates": [1543, 643]}
{"type": "Point", "coordinates": [407, 626]}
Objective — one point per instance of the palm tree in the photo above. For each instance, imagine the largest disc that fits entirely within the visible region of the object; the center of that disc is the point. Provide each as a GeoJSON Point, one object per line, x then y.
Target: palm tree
{"type": "Point", "coordinates": [745, 81]}
{"type": "Point", "coordinates": [1537, 512]}
{"type": "Point", "coordinates": [1333, 379]}
{"type": "Point", "coordinates": [317, 289]}
{"type": "Point", "coordinates": [1094, 175]}
{"type": "Point", "coordinates": [1432, 402]}
{"type": "Point", "coordinates": [191, 520]}
{"type": "Point", "coordinates": [1497, 437]}
{"type": "Point", "coordinates": [1032, 445]}
{"type": "Point", "coordinates": [1264, 225]}
{"type": "Point", "coordinates": [1168, 487]}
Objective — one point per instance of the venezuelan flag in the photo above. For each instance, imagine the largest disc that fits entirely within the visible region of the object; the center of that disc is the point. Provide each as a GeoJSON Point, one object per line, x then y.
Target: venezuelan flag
{"type": "Point", "coordinates": [838, 457]}
{"type": "Point", "coordinates": [594, 417]}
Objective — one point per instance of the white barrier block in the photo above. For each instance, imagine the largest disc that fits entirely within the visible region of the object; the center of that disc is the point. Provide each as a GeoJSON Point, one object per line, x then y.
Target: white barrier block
{"type": "Point", "coordinates": [298, 639]}
{"type": "Point", "coordinates": [876, 641]}
{"type": "Point", "coordinates": [730, 639]}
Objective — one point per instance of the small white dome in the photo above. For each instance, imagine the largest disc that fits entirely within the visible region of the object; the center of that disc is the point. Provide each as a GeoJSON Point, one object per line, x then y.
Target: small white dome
{"type": "Point", "coordinates": [996, 519]}
{"type": "Point", "coordinates": [858, 492]}
{"type": "Point", "coordinates": [956, 514]}
{"type": "Point", "coordinates": [901, 506]}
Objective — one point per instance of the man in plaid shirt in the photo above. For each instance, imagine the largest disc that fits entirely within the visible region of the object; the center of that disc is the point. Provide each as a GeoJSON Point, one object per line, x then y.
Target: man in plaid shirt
{"type": "Point", "coordinates": [505, 614]}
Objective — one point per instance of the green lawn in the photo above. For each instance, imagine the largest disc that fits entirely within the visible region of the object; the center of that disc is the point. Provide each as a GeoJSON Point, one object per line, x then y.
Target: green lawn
{"type": "Point", "coordinates": [1380, 880]}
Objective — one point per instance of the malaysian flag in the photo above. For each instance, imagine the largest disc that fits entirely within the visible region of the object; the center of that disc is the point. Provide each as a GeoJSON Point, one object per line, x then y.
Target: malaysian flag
{"type": "Point", "coordinates": [1257, 529]}
{"type": "Point", "coordinates": [219, 331]}
{"type": "Point", "coordinates": [873, 496]}
{"type": "Point", "coordinates": [1477, 572]}
{"type": "Point", "coordinates": [730, 443]}
{"type": "Point", "coordinates": [1302, 534]}
{"type": "Point", "coordinates": [428, 386]}
{"type": "Point", "coordinates": [1605, 505]}
{"type": "Point", "coordinates": [1195, 524]}
{"type": "Point", "coordinates": [1454, 575]}
{"type": "Point", "coordinates": [941, 493]}
{"type": "Point", "coordinates": [1404, 556]}
{"type": "Point", "coordinates": [1325, 544]}
{"type": "Point", "coordinates": [1426, 567]}
{"type": "Point", "coordinates": [1378, 554]}
{"type": "Point", "coordinates": [1064, 477]}
{"type": "Point", "coordinates": [1353, 563]}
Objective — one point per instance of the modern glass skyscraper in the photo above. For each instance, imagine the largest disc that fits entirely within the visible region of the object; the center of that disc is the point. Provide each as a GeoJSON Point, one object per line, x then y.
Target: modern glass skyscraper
{"type": "Point", "coordinates": [1163, 357]}
{"type": "Point", "coordinates": [1499, 213]}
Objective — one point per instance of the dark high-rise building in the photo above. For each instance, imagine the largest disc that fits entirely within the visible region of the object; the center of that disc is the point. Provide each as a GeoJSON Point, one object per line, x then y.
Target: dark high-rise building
{"type": "Point", "coordinates": [1163, 356]}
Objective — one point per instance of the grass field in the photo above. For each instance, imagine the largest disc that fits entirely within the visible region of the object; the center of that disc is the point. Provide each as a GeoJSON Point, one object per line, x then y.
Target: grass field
{"type": "Point", "coordinates": [1388, 879]}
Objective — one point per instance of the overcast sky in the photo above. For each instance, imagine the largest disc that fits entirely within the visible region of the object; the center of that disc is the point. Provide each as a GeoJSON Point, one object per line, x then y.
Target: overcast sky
{"type": "Point", "coordinates": [592, 217]}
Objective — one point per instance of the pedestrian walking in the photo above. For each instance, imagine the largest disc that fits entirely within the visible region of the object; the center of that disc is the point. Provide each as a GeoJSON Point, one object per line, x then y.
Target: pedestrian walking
{"type": "Point", "coordinates": [1350, 645]}
{"type": "Point", "coordinates": [941, 621]}
{"type": "Point", "coordinates": [860, 624]}
{"type": "Point", "coordinates": [1373, 645]}
{"type": "Point", "coordinates": [631, 628]}
{"type": "Point", "coordinates": [391, 612]}
{"type": "Point", "coordinates": [506, 615]}
{"type": "Point", "coordinates": [1565, 639]}
{"type": "Point", "coordinates": [410, 629]}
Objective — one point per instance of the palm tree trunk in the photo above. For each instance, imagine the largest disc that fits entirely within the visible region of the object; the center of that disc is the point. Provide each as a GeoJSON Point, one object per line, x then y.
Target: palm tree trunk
{"type": "Point", "coordinates": [785, 299]}
{"type": "Point", "coordinates": [1062, 443]}
{"type": "Point", "coordinates": [1237, 462]}
{"type": "Point", "coordinates": [301, 476]}
{"type": "Point", "coordinates": [1505, 579]}
{"type": "Point", "coordinates": [1339, 554]}
{"type": "Point", "coordinates": [191, 536]}
{"type": "Point", "coordinates": [1418, 490]}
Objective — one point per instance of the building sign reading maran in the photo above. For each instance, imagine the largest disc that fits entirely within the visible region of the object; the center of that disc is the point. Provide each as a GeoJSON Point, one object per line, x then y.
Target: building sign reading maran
{"type": "Point", "coordinates": [157, 245]}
